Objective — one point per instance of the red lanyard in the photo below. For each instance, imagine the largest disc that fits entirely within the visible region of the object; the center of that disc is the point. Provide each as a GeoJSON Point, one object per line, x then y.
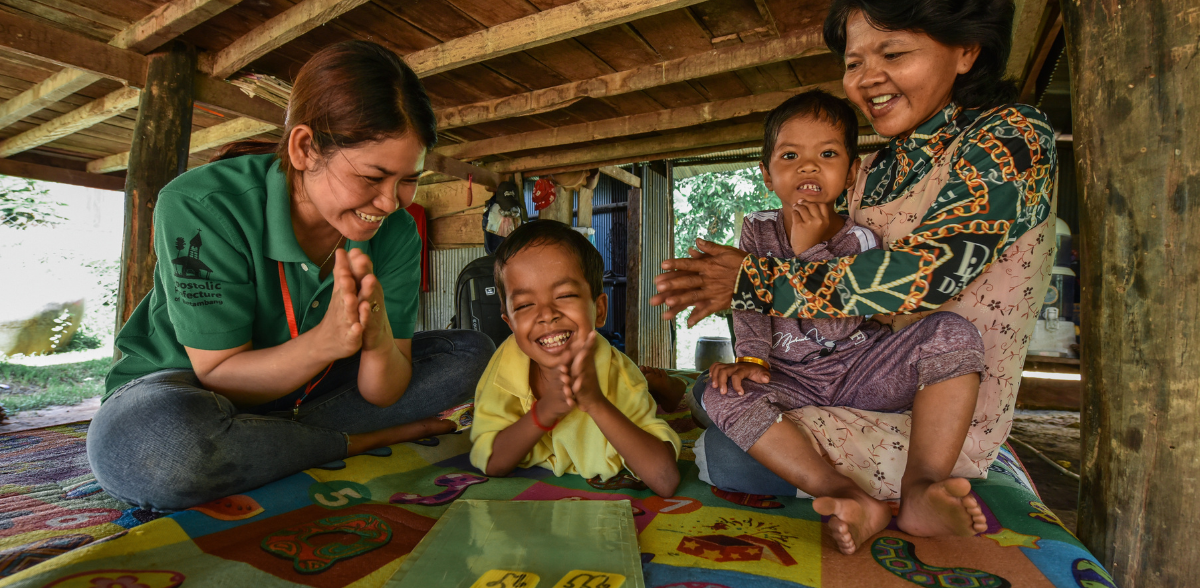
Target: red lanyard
{"type": "Point", "coordinates": [291, 320]}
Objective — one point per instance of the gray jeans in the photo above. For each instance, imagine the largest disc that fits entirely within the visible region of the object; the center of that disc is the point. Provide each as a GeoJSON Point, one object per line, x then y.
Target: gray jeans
{"type": "Point", "coordinates": [165, 443]}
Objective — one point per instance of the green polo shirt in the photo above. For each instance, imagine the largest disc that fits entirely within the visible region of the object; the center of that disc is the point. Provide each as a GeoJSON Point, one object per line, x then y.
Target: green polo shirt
{"type": "Point", "coordinates": [219, 232]}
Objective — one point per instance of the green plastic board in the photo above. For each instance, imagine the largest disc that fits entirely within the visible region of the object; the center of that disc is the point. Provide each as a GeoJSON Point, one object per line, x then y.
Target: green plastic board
{"type": "Point", "coordinates": [559, 542]}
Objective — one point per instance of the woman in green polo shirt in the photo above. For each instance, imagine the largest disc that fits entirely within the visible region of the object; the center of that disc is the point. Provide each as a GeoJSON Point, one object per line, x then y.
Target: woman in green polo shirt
{"type": "Point", "coordinates": [280, 331]}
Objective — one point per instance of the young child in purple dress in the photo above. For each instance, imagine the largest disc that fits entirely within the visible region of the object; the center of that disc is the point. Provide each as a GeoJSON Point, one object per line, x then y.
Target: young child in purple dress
{"type": "Point", "coordinates": [808, 160]}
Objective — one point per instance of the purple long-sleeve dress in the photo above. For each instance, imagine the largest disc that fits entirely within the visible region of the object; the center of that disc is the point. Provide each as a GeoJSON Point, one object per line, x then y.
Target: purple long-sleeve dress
{"type": "Point", "coordinates": [848, 361]}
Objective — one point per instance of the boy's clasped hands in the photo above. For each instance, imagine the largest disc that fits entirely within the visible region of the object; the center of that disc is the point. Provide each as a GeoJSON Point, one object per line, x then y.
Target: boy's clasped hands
{"type": "Point", "coordinates": [580, 385]}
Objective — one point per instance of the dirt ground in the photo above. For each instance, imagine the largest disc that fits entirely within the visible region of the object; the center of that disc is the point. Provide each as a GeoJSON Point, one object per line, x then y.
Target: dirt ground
{"type": "Point", "coordinates": [1056, 434]}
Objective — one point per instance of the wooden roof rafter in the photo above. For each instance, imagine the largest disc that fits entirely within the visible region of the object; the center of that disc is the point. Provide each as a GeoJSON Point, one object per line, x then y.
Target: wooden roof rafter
{"type": "Point", "coordinates": [119, 59]}
{"type": "Point", "coordinates": [717, 61]}
{"type": "Point", "coordinates": [651, 122]}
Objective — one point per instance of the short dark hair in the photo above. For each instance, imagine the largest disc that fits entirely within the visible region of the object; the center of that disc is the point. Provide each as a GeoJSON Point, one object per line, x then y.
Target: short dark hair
{"type": "Point", "coordinates": [815, 104]}
{"type": "Point", "coordinates": [550, 232]}
{"type": "Point", "coordinates": [960, 23]}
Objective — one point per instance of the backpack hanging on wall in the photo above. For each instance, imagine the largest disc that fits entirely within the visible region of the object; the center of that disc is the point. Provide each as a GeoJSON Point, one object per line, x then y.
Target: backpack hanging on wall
{"type": "Point", "coordinates": [477, 304]}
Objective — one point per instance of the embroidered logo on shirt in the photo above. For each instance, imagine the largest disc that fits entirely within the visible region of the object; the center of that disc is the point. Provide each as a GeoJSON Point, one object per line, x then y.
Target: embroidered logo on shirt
{"type": "Point", "coordinates": [189, 267]}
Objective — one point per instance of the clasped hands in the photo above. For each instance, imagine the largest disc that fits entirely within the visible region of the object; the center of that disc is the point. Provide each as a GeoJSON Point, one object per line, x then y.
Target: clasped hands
{"type": "Point", "coordinates": [356, 318]}
{"type": "Point", "coordinates": [580, 385]}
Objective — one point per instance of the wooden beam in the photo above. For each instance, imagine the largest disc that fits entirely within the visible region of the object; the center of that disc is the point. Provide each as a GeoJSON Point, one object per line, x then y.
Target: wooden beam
{"type": "Point", "coordinates": [224, 96]}
{"type": "Point", "coordinates": [636, 148]}
{"type": "Point", "coordinates": [156, 28]}
{"type": "Point", "coordinates": [456, 232]}
{"type": "Point", "coordinates": [1135, 108]}
{"type": "Point", "coordinates": [48, 173]}
{"type": "Point", "coordinates": [81, 118]}
{"type": "Point", "coordinates": [209, 91]}
{"type": "Point", "coordinates": [274, 33]}
{"type": "Point", "coordinates": [765, 12]}
{"type": "Point", "coordinates": [47, 43]}
{"type": "Point", "coordinates": [214, 136]}
{"type": "Point", "coordinates": [159, 155]}
{"type": "Point", "coordinates": [562, 22]}
{"type": "Point", "coordinates": [621, 175]}
{"type": "Point", "coordinates": [633, 273]}
{"type": "Point", "coordinates": [447, 198]}
{"type": "Point", "coordinates": [803, 44]}
{"type": "Point", "coordinates": [167, 22]}
{"type": "Point", "coordinates": [563, 207]}
{"type": "Point", "coordinates": [1028, 25]}
{"type": "Point", "coordinates": [50, 90]}
{"type": "Point", "coordinates": [1029, 88]}
{"type": "Point", "coordinates": [452, 167]}
{"type": "Point", "coordinates": [661, 120]}
{"type": "Point", "coordinates": [635, 158]}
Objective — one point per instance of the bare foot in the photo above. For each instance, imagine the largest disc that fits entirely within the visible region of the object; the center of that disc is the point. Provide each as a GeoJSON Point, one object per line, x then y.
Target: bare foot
{"type": "Point", "coordinates": [932, 509]}
{"type": "Point", "coordinates": [667, 391]}
{"type": "Point", "coordinates": [398, 434]}
{"type": "Point", "coordinates": [853, 520]}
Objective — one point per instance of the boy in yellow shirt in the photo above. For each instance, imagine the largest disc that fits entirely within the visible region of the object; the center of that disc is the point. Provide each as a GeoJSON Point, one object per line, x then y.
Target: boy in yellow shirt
{"type": "Point", "coordinates": [555, 394]}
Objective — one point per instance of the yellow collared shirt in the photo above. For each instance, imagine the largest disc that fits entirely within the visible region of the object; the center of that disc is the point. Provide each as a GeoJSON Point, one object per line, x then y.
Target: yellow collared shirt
{"type": "Point", "coordinates": [576, 445]}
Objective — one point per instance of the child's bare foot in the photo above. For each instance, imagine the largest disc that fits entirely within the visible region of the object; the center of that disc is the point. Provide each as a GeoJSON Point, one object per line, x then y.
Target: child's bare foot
{"type": "Point", "coordinates": [931, 509]}
{"type": "Point", "coordinates": [667, 391]}
{"type": "Point", "coordinates": [853, 519]}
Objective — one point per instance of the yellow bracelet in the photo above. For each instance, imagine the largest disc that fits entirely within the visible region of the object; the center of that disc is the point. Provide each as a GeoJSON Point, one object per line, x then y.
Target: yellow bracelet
{"type": "Point", "coordinates": [755, 360]}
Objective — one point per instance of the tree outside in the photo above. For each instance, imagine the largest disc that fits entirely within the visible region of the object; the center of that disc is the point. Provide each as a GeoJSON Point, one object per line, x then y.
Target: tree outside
{"type": "Point", "coordinates": [711, 206]}
{"type": "Point", "coordinates": [59, 242]}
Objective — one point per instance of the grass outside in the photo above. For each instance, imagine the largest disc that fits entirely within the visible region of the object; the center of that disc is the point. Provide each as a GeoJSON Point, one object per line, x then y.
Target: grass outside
{"type": "Point", "coordinates": [33, 387]}
{"type": "Point", "coordinates": [79, 255]}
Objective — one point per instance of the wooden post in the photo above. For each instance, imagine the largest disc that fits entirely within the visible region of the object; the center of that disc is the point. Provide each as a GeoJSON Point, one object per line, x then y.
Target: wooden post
{"type": "Point", "coordinates": [1136, 111]}
{"type": "Point", "coordinates": [633, 272]}
{"type": "Point", "coordinates": [563, 207]}
{"type": "Point", "coordinates": [159, 153]}
{"type": "Point", "coordinates": [585, 206]}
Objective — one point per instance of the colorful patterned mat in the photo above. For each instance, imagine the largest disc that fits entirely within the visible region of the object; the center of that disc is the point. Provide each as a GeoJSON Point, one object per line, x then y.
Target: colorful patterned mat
{"type": "Point", "coordinates": [352, 523]}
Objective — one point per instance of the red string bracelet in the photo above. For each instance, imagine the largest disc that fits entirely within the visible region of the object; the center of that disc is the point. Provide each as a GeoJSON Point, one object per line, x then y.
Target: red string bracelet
{"type": "Point", "coordinates": [533, 411]}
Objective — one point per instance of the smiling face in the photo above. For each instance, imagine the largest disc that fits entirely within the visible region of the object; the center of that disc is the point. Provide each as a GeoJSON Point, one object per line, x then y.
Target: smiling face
{"type": "Point", "coordinates": [355, 188]}
{"type": "Point", "coordinates": [809, 162]}
{"type": "Point", "coordinates": [548, 302]}
{"type": "Point", "coordinates": [900, 79]}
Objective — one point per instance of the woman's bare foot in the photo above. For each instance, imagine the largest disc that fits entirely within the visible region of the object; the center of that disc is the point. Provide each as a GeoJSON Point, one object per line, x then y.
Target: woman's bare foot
{"type": "Point", "coordinates": [667, 391]}
{"type": "Point", "coordinates": [853, 519]}
{"type": "Point", "coordinates": [399, 434]}
{"type": "Point", "coordinates": [932, 509]}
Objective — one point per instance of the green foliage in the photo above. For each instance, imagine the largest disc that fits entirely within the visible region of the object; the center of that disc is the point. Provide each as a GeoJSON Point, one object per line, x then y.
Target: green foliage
{"type": "Point", "coordinates": [34, 387]}
{"type": "Point", "coordinates": [24, 203]}
{"type": "Point", "coordinates": [707, 205]}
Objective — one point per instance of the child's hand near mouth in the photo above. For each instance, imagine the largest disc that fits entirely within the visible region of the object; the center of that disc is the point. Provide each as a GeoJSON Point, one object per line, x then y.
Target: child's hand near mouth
{"type": "Point", "coordinates": [580, 384]}
{"type": "Point", "coordinates": [812, 223]}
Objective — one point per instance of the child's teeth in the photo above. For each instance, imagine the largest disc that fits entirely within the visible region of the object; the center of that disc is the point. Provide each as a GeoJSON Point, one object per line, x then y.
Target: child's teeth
{"type": "Point", "coordinates": [549, 341]}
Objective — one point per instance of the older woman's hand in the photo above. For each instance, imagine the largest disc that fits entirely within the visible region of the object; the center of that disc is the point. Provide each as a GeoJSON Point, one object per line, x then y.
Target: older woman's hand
{"type": "Point", "coordinates": [705, 282]}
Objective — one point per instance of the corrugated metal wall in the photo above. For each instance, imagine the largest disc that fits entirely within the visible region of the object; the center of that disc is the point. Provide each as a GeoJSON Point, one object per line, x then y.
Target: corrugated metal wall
{"type": "Point", "coordinates": [655, 337]}
{"type": "Point", "coordinates": [437, 305]}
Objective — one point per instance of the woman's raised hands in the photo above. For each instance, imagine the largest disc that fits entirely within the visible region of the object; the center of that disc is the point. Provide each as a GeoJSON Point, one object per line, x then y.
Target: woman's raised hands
{"type": "Point", "coordinates": [705, 282]}
{"type": "Point", "coordinates": [341, 329]}
{"type": "Point", "coordinates": [377, 330]}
